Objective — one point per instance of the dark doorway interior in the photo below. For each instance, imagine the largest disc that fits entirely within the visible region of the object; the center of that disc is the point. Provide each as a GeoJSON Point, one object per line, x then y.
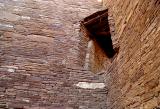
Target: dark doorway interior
{"type": "Point", "coordinates": [97, 26]}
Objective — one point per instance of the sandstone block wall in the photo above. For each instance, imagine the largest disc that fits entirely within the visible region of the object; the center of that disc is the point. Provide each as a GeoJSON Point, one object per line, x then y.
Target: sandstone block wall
{"type": "Point", "coordinates": [58, 20]}
{"type": "Point", "coordinates": [40, 63]}
{"type": "Point", "coordinates": [133, 78]}
{"type": "Point", "coordinates": [56, 88]}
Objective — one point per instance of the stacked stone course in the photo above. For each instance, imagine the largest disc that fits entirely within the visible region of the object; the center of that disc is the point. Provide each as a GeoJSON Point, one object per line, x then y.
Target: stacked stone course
{"type": "Point", "coordinates": [133, 79]}
{"type": "Point", "coordinates": [40, 47]}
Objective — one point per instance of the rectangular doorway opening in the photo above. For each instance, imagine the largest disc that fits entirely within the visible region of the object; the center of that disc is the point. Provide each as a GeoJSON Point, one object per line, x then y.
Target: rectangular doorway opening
{"type": "Point", "coordinates": [96, 28]}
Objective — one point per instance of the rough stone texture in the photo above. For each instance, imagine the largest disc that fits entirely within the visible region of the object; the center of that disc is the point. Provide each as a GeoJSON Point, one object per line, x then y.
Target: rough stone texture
{"type": "Point", "coordinates": [40, 56]}
{"type": "Point", "coordinates": [94, 57]}
{"type": "Point", "coordinates": [52, 89]}
{"type": "Point", "coordinates": [133, 78]}
{"type": "Point", "coordinates": [55, 19]}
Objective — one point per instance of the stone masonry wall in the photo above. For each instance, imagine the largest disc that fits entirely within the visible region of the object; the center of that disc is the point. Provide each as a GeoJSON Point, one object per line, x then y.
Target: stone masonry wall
{"type": "Point", "coordinates": [40, 63]}
{"type": "Point", "coordinates": [53, 88]}
{"type": "Point", "coordinates": [54, 19]}
{"type": "Point", "coordinates": [133, 79]}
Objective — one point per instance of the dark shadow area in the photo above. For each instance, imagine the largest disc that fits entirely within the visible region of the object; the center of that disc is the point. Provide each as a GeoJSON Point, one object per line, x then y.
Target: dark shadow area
{"type": "Point", "coordinates": [156, 108]}
{"type": "Point", "coordinates": [105, 42]}
{"type": "Point", "coordinates": [98, 30]}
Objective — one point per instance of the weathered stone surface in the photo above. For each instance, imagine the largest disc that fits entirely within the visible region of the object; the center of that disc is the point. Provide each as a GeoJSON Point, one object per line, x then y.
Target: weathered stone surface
{"type": "Point", "coordinates": [42, 55]}
{"type": "Point", "coordinates": [133, 77]}
{"type": "Point", "coordinates": [39, 55]}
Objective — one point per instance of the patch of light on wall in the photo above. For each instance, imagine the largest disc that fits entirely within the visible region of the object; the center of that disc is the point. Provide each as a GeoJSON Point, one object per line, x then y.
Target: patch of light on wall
{"type": "Point", "coordinates": [99, 0]}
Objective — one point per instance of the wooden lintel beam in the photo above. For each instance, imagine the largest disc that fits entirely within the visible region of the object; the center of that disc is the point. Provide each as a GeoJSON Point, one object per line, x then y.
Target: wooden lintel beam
{"type": "Point", "coordinates": [95, 14]}
{"type": "Point", "coordinates": [95, 19]}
